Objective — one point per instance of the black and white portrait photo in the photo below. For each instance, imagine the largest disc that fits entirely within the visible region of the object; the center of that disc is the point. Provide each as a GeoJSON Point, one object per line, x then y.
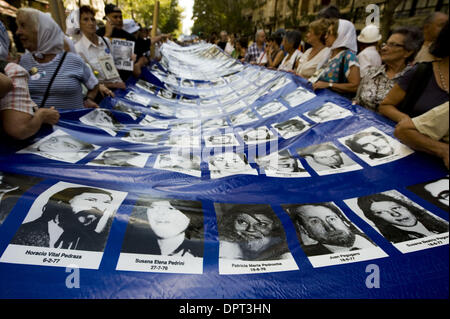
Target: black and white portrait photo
{"type": "Point", "coordinates": [162, 110]}
{"type": "Point", "coordinates": [229, 163]}
{"type": "Point", "coordinates": [224, 90]}
{"type": "Point", "coordinates": [435, 192]}
{"type": "Point", "coordinates": [208, 112]}
{"type": "Point", "coordinates": [400, 220]}
{"type": "Point", "coordinates": [227, 139]}
{"type": "Point", "coordinates": [238, 105]}
{"type": "Point", "coordinates": [327, 159]}
{"type": "Point", "coordinates": [215, 123]}
{"type": "Point", "coordinates": [138, 98]}
{"type": "Point", "coordinates": [60, 146]}
{"type": "Point", "coordinates": [153, 122]}
{"type": "Point", "coordinates": [144, 137]}
{"type": "Point", "coordinates": [12, 187]}
{"type": "Point", "coordinates": [146, 86]}
{"type": "Point", "coordinates": [251, 232]}
{"type": "Point", "coordinates": [291, 127]}
{"type": "Point", "coordinates": [279, 83]}
{"type": "Point", "coordinates": [186, 125]}
{"type": "Point", "coordinates": [281, 164]}
{"type": "Point", "coordinates": [178, 161]}
{"type": "Point", "coordinates": [203, 85]}
{"type": "Point", "coordinates": [120, 158]}
{"type": "Point", "coordinates": [219, 82]}
{"type": "Point", "coordinates": [108, 67]}
{"type": "Point", "coordinates": [328, 112]}
{"type": "Point", "coordinates": [206, 100]}
{"type": "Point", "coordinates": [169, 230]}
{"type": "Point", "coordinates": [127, 109]}
{"type": "Point", "coordinates": [190, 140]}
{"type": "Point", "coordinates": [170, 227]}
{"type": "Point", "coordinates": [67, 217]}
{"type": "Point", "coordinates": [229, 98]}
{"type": "Point", "coordinates": [323, 230]}
{"type": "Point", "coordinates": [186, 113]}
{"type": "Point", "coordinates": [187, 83]}
{"type": "Point", "coordinates": [258, 135]}
{"type": "Point", "coordinates": [270, 109]}
{"type": "Point", "coordinates": [103, 119]}
{"type": "Point", "coordinates": [243, 88]}
{"type": "Point", "coordinates": [243, 118]}
{"type": "Point", "coordinates": [375, 147]}
{"type": "Point", "coordinates": [170, 80]}
{"type": "Point", "coordinates": [298, 96]}
{"type": "Point", "coordinates": [187, 101]}
{"type": "Point", "coordinates": [167, 94]}
{"type": "Point", "coordinates": [264, 78]}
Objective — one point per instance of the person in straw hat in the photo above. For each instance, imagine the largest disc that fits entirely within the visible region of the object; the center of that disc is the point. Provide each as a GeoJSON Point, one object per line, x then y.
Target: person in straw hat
{"type": "Point", "coordinates": [368, 55]}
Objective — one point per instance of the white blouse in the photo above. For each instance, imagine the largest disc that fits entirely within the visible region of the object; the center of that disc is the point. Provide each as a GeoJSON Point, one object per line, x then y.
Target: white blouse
{"type": "Point", "coordinates": [91, 52]}
{"type": "Point", "coordinates": [288, 64]}
{"type": "Point", "coordinates": [306, 68]}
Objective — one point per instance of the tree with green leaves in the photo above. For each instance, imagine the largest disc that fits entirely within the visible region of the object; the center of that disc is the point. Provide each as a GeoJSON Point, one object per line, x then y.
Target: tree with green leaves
{"type": "Point", "coordinates": [142, 12]}
{"type": "Point", "coordinates": [214, 16]}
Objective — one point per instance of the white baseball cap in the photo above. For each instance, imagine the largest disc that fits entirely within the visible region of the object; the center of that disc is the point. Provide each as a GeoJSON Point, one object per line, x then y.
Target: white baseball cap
{"type": "Point", "coordinates": [130, 25]}
{"type": "Point", "coordinates": [369, 34]}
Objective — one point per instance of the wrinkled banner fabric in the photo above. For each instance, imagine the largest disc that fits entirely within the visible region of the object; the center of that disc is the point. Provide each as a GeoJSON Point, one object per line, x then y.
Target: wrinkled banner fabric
{"type": "Point", "coordinates": [208, 178]}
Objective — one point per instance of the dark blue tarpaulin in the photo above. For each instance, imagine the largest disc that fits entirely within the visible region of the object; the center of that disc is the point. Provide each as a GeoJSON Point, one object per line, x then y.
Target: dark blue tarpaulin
{"type": "Point", "coordinates": [180, 94]}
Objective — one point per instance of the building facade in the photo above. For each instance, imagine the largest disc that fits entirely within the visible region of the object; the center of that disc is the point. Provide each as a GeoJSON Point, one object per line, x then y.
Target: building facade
{"type": "Point", "coordinates": [271, 15]}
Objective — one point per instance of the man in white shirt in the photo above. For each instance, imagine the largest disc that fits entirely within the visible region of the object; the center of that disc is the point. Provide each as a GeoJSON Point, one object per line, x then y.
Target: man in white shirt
{"type": "Point", "coordinates": [368, 56]}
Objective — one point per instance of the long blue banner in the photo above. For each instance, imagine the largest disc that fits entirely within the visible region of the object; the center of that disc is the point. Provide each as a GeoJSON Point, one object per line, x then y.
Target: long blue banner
{"type": "Point", "coordinates": [208, 178]}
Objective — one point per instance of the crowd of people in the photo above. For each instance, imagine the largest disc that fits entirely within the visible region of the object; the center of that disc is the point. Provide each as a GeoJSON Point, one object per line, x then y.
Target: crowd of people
{"type": "Point", "coordinates": [405, 79]}
{"type": "Point", "coordinates": [61, 70]}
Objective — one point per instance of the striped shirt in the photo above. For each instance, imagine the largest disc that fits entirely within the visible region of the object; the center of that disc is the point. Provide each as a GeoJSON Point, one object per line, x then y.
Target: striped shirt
{"type": "Point", "coordinates": [66, 90]}
{"type": "Point", "coordinates": [18, 98]}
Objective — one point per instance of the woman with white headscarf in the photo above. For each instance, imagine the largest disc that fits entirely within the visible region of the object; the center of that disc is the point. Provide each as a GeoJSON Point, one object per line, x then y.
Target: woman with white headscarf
{"type": "Point", "coordinates": [341, 73]}
{"type": "Point", "coordinates": [45, 60]}
{"type": "Point", "coordinates": [18, 115]}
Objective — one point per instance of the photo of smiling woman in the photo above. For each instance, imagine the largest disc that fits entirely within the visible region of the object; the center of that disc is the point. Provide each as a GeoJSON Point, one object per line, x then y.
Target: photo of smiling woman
{"type": "Point", "coordinates": [250, 232]}
{"type": "Point", "coordinates": [400, 220]}
{"type": "Point", "coordinates": [169, 227]}
{"type": "Point", "coordinates": [251, 240]}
